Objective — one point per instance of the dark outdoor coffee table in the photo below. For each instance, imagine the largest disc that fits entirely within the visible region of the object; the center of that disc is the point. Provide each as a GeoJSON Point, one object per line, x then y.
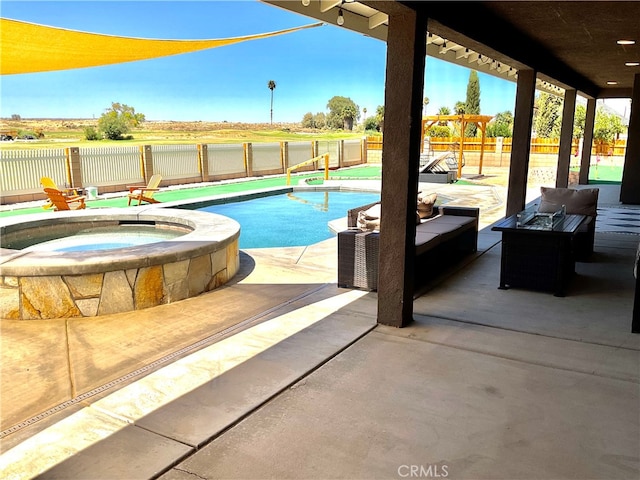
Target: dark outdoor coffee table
{"type": "Point", "coordinates": [538, 259]}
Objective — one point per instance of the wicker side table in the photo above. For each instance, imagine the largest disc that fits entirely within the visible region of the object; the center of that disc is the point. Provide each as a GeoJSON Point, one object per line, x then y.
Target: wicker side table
{"type": "Point", "coordinates": [358, 254]}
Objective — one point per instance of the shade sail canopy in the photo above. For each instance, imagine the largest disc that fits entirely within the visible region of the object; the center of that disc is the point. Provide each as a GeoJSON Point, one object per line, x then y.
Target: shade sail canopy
{"type": "Point", "coordinates": [32, 48]}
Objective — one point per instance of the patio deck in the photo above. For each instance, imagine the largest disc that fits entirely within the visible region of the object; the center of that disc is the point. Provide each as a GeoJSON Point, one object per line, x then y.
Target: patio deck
{"type": "Point", "coordinates": [486, 383]}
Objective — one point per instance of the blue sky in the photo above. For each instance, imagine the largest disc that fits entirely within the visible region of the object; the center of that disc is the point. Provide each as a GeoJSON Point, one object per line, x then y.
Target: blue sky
{"type": "Point", "coordinates": [221, 84]}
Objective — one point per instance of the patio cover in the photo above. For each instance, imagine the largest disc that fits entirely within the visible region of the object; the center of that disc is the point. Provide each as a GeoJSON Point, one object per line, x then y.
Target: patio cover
{"type": "Point", "coordinates": [31, 48]}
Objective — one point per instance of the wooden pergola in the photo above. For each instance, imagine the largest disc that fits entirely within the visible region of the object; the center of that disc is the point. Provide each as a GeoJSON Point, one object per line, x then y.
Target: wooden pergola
{"type": "Point", "coordinates": [463, 120]}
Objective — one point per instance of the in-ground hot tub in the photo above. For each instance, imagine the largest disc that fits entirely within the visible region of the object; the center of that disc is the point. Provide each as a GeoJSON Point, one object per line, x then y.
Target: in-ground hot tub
{"type": "Point", "coordinates": [37, 284]}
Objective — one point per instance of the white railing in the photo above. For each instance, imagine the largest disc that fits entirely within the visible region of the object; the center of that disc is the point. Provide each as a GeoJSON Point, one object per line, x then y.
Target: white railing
{"type": "Point", "coordinates": [21, 170]}
{"type": "Point", "coordinates": [226, 159]}
{"type": "Point", "coordinates": [300, 151]}
{"type": "Point", "coordinates": [266, 157]}
{"type": "Point", "coordinates": [352, 151]}
{"type": "Point", "coordinates": [175, 161]}
{"type": "Point", "coordinates": [333, 149]}
{"type": "Point", "coordinates": [110, 165]}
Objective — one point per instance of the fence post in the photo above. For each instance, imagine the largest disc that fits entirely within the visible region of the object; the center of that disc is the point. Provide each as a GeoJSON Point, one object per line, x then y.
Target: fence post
{"type": "Point", "coordinates": [72, 167]}
{"type": "Point", "coordinates": [203, 161]}
{"type": "Point", "coordinates": [340, 153]}
{"type": "Point", "coordinates": [363, 150]}
{"type": "Point", "coordinates": [284, 156]}
{"type": "Point", "coordinates": [248, 158]}
{"type": "Point", "coordinates": [147, 162]}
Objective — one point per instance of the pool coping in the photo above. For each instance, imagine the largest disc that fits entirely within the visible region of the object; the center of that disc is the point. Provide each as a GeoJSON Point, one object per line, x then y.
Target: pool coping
{"type": "Point", "coordinates": [329, 185]}
{"type": "Point", "coordinates": [210, 232]}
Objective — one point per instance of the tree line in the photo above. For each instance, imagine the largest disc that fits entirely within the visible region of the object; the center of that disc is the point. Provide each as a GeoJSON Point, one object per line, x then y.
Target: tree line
{"type": "Point", "coordinates": [547, 120]}
{"type": "Point", "coordinates": [344, 114]}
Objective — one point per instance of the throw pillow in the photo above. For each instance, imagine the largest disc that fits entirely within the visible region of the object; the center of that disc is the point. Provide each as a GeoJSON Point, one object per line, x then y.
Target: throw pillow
{"type": "Point", "coordinates": [369, 220]}
{"type": "Point", "coordinates": [577, 202]}
{"type": "Point", "coordinates": [425, 204]}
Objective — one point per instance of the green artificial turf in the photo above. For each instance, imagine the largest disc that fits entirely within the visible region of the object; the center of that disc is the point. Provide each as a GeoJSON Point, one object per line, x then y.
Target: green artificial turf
{"type": "Point", "coordinates": [605, 174]}
{"type": "Point", "coordinates": [190, 193]}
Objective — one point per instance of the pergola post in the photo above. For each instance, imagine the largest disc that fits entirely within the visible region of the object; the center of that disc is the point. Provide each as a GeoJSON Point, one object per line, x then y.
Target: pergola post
{"type": "Point", "coordinates": [587, 141]}
{"type": "Point", "coordinates": [463, 126]}
{"type": "Point", "coordinates": [483, 129]}
{"type": "Point", "coordinates": [404, 91]}
{"type": "Point", "coordinates": [521, 143]}
{"type": "Point", "coordinates": [566, 138]}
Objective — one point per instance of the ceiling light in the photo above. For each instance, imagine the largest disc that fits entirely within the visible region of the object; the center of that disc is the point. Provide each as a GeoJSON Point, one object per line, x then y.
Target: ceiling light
{"type": "Point", "coordinates": [632, 64]}
{"type": "Point", "coordinates": [626, 42]}
{"type": "Point", "coordinates": [306, 3]}
{"type": "Point", "coordinates": [612, 82]}
{"type": "Point", "coordinates": [340, 20]}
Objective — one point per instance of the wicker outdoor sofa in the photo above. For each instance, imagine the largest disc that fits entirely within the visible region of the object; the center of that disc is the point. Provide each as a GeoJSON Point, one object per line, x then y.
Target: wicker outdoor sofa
{"type": "Point", "coordinates": [440, 240]}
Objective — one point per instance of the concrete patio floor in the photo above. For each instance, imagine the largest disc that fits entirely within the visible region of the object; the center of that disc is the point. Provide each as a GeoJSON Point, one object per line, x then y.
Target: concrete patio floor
{"type": "Point", "coordinates": [292, 378]}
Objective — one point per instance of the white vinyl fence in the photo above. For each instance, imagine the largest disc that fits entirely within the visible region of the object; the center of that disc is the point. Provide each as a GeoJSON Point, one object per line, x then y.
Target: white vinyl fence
{"type": "Point", "coordinates": [333, 149]}
{"type": "Point", "coordinates": [21, 170]}
{"type": "Point", "coordinates": [226, 159]}
{"type": "Point", "coordinates": [300, 152]}
{"type": "Point", "coordinates": [109, 165]}
{"type": "Point", "coordinates": [266, 157]}
{"type": "Point", "coordinates": [176, 161]}
{"type": "Point", "coordinates": [112, 167]}
{"type": "Point", "coordinates": [352, 152]}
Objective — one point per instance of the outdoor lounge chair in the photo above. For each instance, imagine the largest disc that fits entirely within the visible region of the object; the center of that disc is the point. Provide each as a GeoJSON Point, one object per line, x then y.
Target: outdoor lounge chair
{"type": "Point", "coordinates": [47, 182]}
{"type": "Point", "coordinates": [60, 201]}
{"type": "Point", "coordinates": [143, 193]}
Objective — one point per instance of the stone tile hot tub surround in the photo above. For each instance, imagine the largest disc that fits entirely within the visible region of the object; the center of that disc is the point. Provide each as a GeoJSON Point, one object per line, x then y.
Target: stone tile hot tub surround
{"type": "Point", "coordinates": [38, 285]}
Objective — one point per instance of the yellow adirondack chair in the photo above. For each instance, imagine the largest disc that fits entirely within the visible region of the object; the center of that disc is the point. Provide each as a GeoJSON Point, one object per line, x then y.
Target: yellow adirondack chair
{"type": "Point", "coordinates": [145, 193]}
{"type": "Point", "coordinates": [60, 201]}
{"type": "Point", "coordinates": [47, 182]}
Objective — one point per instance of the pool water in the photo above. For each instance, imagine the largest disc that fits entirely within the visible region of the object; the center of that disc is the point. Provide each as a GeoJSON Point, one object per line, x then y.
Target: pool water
{"type": "Point", "coordinates": [290, 220]}
{"type": "Point", "coordinates": [105, 238]}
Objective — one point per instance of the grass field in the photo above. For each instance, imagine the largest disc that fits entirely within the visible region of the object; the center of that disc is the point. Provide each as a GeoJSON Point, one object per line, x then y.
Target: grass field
{"type": "Point", "coordinates": [70, 133]}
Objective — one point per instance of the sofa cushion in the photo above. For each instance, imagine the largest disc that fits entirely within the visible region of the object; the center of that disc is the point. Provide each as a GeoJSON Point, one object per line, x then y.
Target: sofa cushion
{"type": "Point", "coordinates": [426, 241]}
{"type": "Point", "coordinates": [425, 204]}
{"type": "Point", "coordinates": [447, 226]}
{"type": "Point", "coordinates": [457, 220]}
{"type": "Point", "coordinates": [577, 202]}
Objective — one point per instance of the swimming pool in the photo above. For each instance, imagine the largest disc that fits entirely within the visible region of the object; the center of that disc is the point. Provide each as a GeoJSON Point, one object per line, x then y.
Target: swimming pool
{"type": "Point", "coordinates": [294, 219]}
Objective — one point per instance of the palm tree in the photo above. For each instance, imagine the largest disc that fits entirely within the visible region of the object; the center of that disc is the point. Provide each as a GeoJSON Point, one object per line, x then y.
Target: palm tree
{"type": "Point", "coordinates": [272, 86]}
